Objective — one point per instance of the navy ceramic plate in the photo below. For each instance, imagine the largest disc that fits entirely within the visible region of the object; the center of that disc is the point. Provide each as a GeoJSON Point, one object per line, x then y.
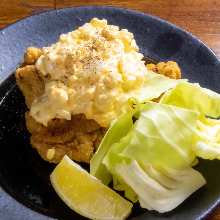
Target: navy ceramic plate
{"type": "Point", "coordinates": [23, 174]}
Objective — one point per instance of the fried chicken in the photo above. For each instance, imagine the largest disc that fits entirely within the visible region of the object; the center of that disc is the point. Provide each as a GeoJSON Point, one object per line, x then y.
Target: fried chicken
{"type": "Point", "coordinates": [31, 55]}
{"type": "Point", "coordinates": [30, 83]}
{"type": "Point", "coordinates": [170, 69]}
{"type": "Point", "coordinates": [77, 138]}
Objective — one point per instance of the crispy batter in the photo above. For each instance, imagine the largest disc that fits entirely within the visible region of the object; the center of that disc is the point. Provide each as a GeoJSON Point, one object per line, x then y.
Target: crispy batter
{"type": "Point", "coordinates": [78, 137]}
{"type": "Point", "coordinates": [31, 55]}
{"type": "Point", "coordinates": [60, 130]}
{"type": "Point", "coordinates": [30, 83]}
{"type": "Point", "coordinates": [77, 152]}
{"type": "Point", "coordinates": [170, 69]}
{"type": "Point", "coordinates": [78, 145]}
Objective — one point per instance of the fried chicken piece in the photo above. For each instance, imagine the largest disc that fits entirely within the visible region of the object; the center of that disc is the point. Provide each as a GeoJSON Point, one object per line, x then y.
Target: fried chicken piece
{"type": "Point", "coordinates": [60, 130]}
{"type": "Point", "coordinates": [57, 125]}
{"type": "Point", "coordinates": [31, 55]}
{"type": "Point", "coordinates": [80, 148]}
{"type": "Point", "coordinates": [77, 138]}
{"type": "Point", "coordinates": [28, 79]}
{"type": "Point", "coordinates": [30, 83]}
{"type": "Point", "coordinates": [170, 69]}
{"type": "Point", "coordinates": [54, 152]}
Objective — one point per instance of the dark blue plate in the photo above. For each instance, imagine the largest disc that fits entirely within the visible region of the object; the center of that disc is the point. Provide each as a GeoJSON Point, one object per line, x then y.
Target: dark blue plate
{"type": "Point", "coordinates": [23, 174]}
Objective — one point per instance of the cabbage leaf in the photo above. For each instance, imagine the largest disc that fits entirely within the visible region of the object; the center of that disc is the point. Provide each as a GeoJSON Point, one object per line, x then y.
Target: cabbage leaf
{"type": "Point", "coordinates": [160, 191]}
{"type": "Point", "coordinates": [192, 96]}
{"type": "Point", "coordinates": [155, 85]}
{"type": "Point", "coordinates": [118, 129]}
{"type": "Point", "coordinates": [206, 103]}
{"type": "Point", "coordinates": [208, 144]}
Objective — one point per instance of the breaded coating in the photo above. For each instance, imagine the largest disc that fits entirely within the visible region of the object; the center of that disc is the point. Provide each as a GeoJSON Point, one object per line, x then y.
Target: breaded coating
{"type": "Point", "coordinates": [30, 83]}
{"type": "Point", "coordinates": [52, 134]}
{"type": "Point", "coordinates": [77, 138]}
{"type": "Point", "coordinates": [170, 69]}
{"type": "Point", "coordinates": [31, 55]}
{"type": "Point", "coordinates": [61, 130]}
{"type": "Point", "coordinates": [54, 153]}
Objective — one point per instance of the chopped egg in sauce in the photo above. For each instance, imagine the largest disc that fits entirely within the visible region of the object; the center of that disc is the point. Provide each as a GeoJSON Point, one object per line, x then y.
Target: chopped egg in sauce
{"type": "Point", "coordinates": [91, 71]}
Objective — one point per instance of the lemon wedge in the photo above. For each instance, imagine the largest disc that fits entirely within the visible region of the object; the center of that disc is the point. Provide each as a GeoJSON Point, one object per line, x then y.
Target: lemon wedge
{"type": "Point", "coordinates": [87, 195]}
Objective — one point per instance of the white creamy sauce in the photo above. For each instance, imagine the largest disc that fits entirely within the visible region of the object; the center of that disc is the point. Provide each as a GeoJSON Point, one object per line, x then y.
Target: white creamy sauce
{"type": "Point", "coordinates": [91, 71]}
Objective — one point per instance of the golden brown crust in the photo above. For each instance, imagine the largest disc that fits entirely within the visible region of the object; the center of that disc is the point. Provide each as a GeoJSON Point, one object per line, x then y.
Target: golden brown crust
{"type": "Point", "coordinates": [62, 131]}
{"type": "Point", "coordinates": [31, 55]}
{"type": "Point", "coordinates": [79, 148]}
{"type": "Point", "coordinates": [78, 138]}
{"type": "Point", "coordinates": [30, 83]}
{"type": "Point", "coordinates": [170, 69]}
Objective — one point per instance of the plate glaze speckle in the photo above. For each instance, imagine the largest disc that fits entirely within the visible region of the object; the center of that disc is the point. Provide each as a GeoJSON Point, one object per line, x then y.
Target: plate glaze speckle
{"type": "Point", "coordinates": [23, 175]}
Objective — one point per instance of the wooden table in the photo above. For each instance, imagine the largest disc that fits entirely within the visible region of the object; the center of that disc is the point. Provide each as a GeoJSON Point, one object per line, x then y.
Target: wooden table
{"type": "Point", "coordinates": [200, 17]}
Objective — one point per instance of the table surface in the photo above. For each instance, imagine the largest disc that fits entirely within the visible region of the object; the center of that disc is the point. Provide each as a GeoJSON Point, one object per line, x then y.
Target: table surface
{"type": "Point", "coordinates": [200, 17]}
